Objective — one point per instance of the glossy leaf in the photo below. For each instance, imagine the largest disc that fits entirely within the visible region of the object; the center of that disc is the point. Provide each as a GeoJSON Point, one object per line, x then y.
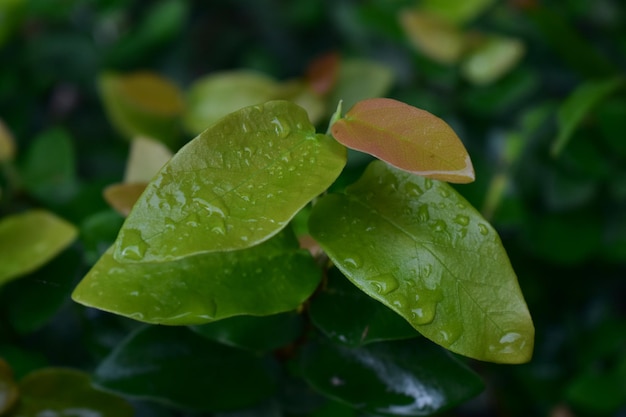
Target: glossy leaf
{"type": "Point", "coordinates": [237, 184]}
{"type": "Point", "coordinates": [212, 97]}
{"type": "Point", "coordinates": [257, 334]}
{"type": "Point", "coordinates": [360, 79]}
{"type": "Point", "coordinates": [146, 158]}
{"type": "Point", "coordinates": [66, 392]}
{"type": "Point", "coordinates": [434, 37]}
{"type": "Point", "coordinates": [578, 105]}
{"type": "Point", "coordinates": [48, 170]}
{"type": "Point", "coordinates": [418, 247]}
{"type": "Point", "coordinates": [7, 143]}
{"type": "Point", "coordinates": [9, 392]}
{"type": "Point", "coordinates": [143, 104]}
{"type": "Point", "coordinates": [347, 315]}
{"type": "Point", "coordinates": [269, 278]}
{"type": "Point", "coordinates": [30, 239]}
{"type": "Point", "coordinates": [122, 197]}
{"type": "Point", "coordinates": [410, 378]}
{"type": "Point", "coordinates": [492, 58]}
{"type": "Point", "coordinates": [409, 138]}
{"type": "Point", "coordinates": [154, 362]}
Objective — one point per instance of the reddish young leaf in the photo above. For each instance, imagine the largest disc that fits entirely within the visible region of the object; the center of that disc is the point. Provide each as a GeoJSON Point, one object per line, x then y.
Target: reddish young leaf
{"type": "Point", "coordinates": [322, 73]}
{"type": "Point", "coordinates": [406, 137]}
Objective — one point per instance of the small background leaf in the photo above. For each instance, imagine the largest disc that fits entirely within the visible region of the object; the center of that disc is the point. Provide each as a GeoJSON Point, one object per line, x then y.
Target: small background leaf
{"type": "Point", "coordinates": [60, 391]}
{"type": "Point", "coordinates": [360, 79]}
{"type": "Point", "coordinates": [122, 197]}
{"type": "Point", "coordinates": [456, 12]}
{"type": "Point", "coordinates": [29, 240]}
{"type": "Point", "coordinates": [424, 252]}
{"type": "Point", "coordinates": [217, 95]}
{"type": "Point", "coordinates": [410, 378]}
{"type": "Point", "coordinates": [234, 186]}
{"type": "Point", "coordinates": [146, 158]}
{"type": "Point", "coordinates": [153, 361]}
{"type": "Point", "coordinates": [9, 392]}
{"type": "Point", "coordinates": [347, 315]}
{"type": "Point", "coordinates": [491, 58]}
{"type": "Point", "coordinates": [578, 104]}
{"type": "Point", "coordinates": [7, 143]}
{"type": "Point", "coordinates": [143, 104]}
{"type": "Point", "coordinates": [206, 287]}
{"type": "Point", "coordinates": [48, 170]}
{"type": "Point", "coordinates": [406, 137]}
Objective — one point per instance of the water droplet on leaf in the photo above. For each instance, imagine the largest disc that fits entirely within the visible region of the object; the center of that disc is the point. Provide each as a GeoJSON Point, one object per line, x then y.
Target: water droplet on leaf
{"type": "Point", "coordinates": [384, 284]}
{"type": "Point", "coordinates": [133, 246]}
{"type": "Point", "coordinates": [423, 214]}
{"type": "Point", "coordinates": [462, 219]}
{"type": "Point", "coordinates": [353, 261]}
{"type": "Point", "coordinates": [483, 229]}
{"type": "Point", "coordinates": [413, 189]}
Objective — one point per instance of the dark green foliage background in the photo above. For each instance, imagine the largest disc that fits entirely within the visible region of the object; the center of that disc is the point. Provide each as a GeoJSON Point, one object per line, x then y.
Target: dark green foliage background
{"type": "Point", "coordinates": [562, 220]}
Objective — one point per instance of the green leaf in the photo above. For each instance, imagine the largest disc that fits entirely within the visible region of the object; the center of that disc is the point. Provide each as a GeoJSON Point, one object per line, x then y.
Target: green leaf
{"type": "Point", "coordinates": [234, 186]}
{"type": "Point", "coordinates": [143, 104]}
{"type": "Point", "coordinates": [48, 289]}
{"type": "Point", "coordinates": [406, 137]}
{"type": "Point", "coordinates": [155, 362]}
{"type": "Point", "coordinates": [65, 392]}
{"type": "Point", "coordinates": [7, 143]}
{"type": "Point", "coordinates": [146, 158]}
{"type": "Point", "coordinates": [493, 57]}
{"type": "Point", "coordinates": [212, 97]}
{"type": "Point", "coordinates": [433, 36]}
{"type": "Point", "coordinates": [48, 170]}
{"type": "Point", "coordinates": [454, 11]}
{"type": "Point", "coordinates": [29, 240]}
{"type": "Point", "coordinates": [409, 378]}
{"type": "Point", "coordinates": [574, 109]}
{"type": "Point", "coordinates": [269, 278]}
{"type": "Point", "coordinates": [8, 388]}
{"type": "Point", "coordinates": [347, 315]}
{"type": "Point", "coordinates": [418, 247]}
{"type": "Point", "coordinates": [360, 79]}
{"type": "Point", "coordinates": [257, 334]}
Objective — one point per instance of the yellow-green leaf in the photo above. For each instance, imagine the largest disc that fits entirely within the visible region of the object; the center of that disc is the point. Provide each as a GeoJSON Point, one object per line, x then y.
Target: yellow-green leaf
{"type": "Point", "coordinates": [143, 104]}
{"type": "Point", "coordinates": [29, 240]}
{"type": "Point", "coordinates": [434, 37]}
{"type": "Point", "coordinates": [216, 95]}
{"type": "Point", "coordinates": [237, 184]}
{"type": "Point", "coordinates": [491, 58]}
{"type": "Point", "coordinates": [146, 158]}
{"type": "Point", "coordinates": [408, 138]}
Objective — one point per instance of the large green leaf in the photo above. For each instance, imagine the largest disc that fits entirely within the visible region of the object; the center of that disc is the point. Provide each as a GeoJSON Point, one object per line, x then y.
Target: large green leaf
{"type": "Point", "coordinates": [578, 104]}
{"type": "Point", "coordinates": [66, 392]}
{"type": "Point", "coordinates": [418, 247]}
{"type": "Point", "coordinates": [175, 366]}
{"type": "Point", "coordinates": [272, 277]}
{"type": "Point", "coordinates": [30, 239]}
{"type": "Point", "coordinates": [408, 378]}
{"type": "Point", "coordinates": [347, 315]}
{"type": "Point", "coordinates": [232, 187]}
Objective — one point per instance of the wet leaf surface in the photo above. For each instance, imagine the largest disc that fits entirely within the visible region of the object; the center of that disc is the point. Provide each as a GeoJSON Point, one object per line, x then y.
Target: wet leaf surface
{"type": "Point", "coordinates": [406, 137]}
{"type": "Point", "coordinates": [153, 361]}
{"type": "Point", "coordinates": [347, 315]}
{"type": "Point", "coordinates": [234, 186]}
{"type": "Point", "coordinates": [410, 378]}
{"type": "Point", "coordinates": [30, 239]}
{"type": "Point", "coordinates": [206, 287]}
{"type": "Point", "coordinates": [418, 247]}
